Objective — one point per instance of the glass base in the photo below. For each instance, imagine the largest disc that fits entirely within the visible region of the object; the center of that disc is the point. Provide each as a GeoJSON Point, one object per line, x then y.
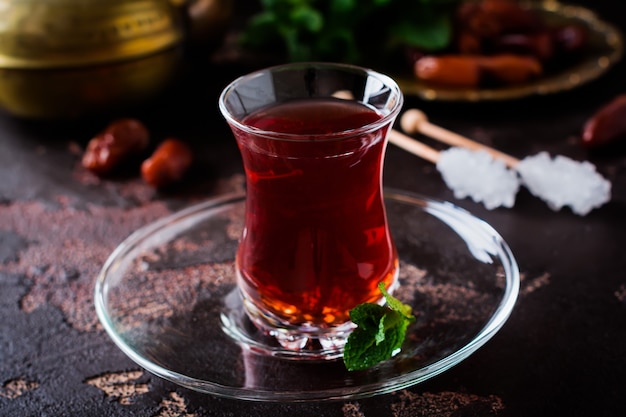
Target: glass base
{"type": "Point", "coordinates": [167, 296]}
{"type": "Point", "coordinates": [271, 335]}
{"type": "Point", "coordinates": [247, 325]}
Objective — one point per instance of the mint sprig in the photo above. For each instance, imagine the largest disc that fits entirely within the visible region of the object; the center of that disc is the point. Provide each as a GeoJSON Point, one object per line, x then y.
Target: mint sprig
{"type": "Point", "coordinates": [379, 334]}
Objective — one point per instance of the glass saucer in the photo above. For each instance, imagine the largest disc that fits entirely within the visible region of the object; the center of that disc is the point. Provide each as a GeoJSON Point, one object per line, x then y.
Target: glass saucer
{"type": "Point", "coordinates": [167, 297]}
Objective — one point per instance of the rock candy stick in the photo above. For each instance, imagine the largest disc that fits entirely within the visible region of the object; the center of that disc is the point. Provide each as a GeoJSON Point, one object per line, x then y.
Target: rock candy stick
{"type": "Point", "coordinates": [468, 173]}
{"type": "Point", "coordinates": [414, 121]}
{"type": "Point", "coordinates": [559, 181]}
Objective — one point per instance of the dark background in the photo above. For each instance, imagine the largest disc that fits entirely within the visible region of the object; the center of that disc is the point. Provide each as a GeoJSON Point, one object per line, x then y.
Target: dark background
{"type": "Point", "coordinates": [561, 353]}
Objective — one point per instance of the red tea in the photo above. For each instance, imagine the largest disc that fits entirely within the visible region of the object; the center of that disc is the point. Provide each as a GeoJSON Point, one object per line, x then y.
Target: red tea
{"type": "Point", "coordinates": [316, 241]}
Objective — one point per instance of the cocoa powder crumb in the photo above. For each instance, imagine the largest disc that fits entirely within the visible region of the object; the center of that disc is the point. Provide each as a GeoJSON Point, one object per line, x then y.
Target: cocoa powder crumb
{"type": "Point", "coordinates": [352, 409]}
{"type": "Point", "coordinates": [63, 247]}
{"type": "Point", "coordinates": [445, 404]}
{"type": "Point", "coordinates": [174, 406]}
{"type": "Point", "coordinates": [17, 387]}
{"type": "Point", "coordinates": [122, 386]}
{"type": "Point", "coordinates": [66, 249]}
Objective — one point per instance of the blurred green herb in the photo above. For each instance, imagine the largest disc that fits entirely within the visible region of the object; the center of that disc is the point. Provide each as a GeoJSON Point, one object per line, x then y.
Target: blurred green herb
{"type": "Point", "coordinates": [379, 334]}
{"type": "Point", "coordinates": [351, 31]}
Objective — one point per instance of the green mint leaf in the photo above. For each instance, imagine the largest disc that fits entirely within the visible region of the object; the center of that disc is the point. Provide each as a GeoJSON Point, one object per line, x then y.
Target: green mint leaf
{"type": "Point", "coordinates": [367, 315]}
{"type": "Point", "coordinates": [430, 34]}
{"type": "Point", "coordinates": [366, 346]}
{"type": "Point", "coordinates": [379, 334]}
{"type": "Point", "coordinates": [396, 304]}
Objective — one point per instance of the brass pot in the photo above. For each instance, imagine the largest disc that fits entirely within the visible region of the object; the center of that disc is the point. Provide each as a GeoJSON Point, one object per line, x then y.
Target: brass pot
{"type": "Point", "coordinates": [65, 58]}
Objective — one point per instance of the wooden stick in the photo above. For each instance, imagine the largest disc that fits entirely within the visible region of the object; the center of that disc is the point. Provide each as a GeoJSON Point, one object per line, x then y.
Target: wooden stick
{"type": "Point", "coordinates": [413, 146]}
{"type": "Point", "coordinates": [413, 121]}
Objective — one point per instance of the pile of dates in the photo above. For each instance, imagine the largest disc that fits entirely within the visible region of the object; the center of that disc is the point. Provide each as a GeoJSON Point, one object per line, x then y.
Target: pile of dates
{"type": "Point", "coordinates": [499, 43]}
{"type": "Point", "coordinates": [123, 141]}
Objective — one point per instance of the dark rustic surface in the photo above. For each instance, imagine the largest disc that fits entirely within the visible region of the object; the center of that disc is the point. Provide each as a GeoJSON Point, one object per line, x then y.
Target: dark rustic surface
{"type": "Point", "coordinates": [562, 352]}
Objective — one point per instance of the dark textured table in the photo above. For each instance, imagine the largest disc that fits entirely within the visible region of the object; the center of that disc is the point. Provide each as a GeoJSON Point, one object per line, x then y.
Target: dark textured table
{"type": "Point", "coordinates": [561, 353]}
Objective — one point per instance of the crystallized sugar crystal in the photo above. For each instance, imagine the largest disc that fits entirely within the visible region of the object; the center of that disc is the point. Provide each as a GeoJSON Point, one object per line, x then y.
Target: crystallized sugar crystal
{"type": "Point", "coordinates": [564, 182]}
{"type": "Point", "coordinates": [477, 175]}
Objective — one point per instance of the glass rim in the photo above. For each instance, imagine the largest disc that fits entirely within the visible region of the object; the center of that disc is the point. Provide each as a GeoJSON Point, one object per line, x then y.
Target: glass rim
{"type": "Point", "coordinates": [344, 134]}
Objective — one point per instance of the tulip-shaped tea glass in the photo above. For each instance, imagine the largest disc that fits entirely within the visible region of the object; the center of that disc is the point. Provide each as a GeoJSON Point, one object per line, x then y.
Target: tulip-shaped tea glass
{"type": "Point", "coordinates": [315, 243]}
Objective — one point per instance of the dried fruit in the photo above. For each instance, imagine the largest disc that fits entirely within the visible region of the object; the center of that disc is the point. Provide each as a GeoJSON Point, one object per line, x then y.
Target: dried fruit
{"type": "Point", "coordinates": [168, 164]}
{"type": "Point", "coordinates": [476, 70]}
{"type": "Point", "coordinates": [607, 124]}
{"type": "Point", "coordinates": [120, 141]}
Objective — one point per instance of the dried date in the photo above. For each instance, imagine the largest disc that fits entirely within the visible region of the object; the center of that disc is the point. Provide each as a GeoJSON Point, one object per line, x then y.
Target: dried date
{"type": "Point", "coordinates": [607, 124]}
{"type": "Point", "coordinates": [449, 70]}
{"type": "Point", "coordinates": [117, 143]}
{"type": "Point", "coordinates": [510, 69]}
{"type": "Point", "coordinates": [168, 164]}
{"type": "Point", "coordinates": [490, 19]}
{"type": "Point", "coordinates": [570, 39]}
{"type": "Point", "coordinates": [471, 71]}
{"type": "Point", "coordinates": [540, 44]}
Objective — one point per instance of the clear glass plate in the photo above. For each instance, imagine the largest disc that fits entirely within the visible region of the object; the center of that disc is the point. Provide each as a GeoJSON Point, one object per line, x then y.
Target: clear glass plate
{"type": "Point", "coordinates": [167, 297]}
